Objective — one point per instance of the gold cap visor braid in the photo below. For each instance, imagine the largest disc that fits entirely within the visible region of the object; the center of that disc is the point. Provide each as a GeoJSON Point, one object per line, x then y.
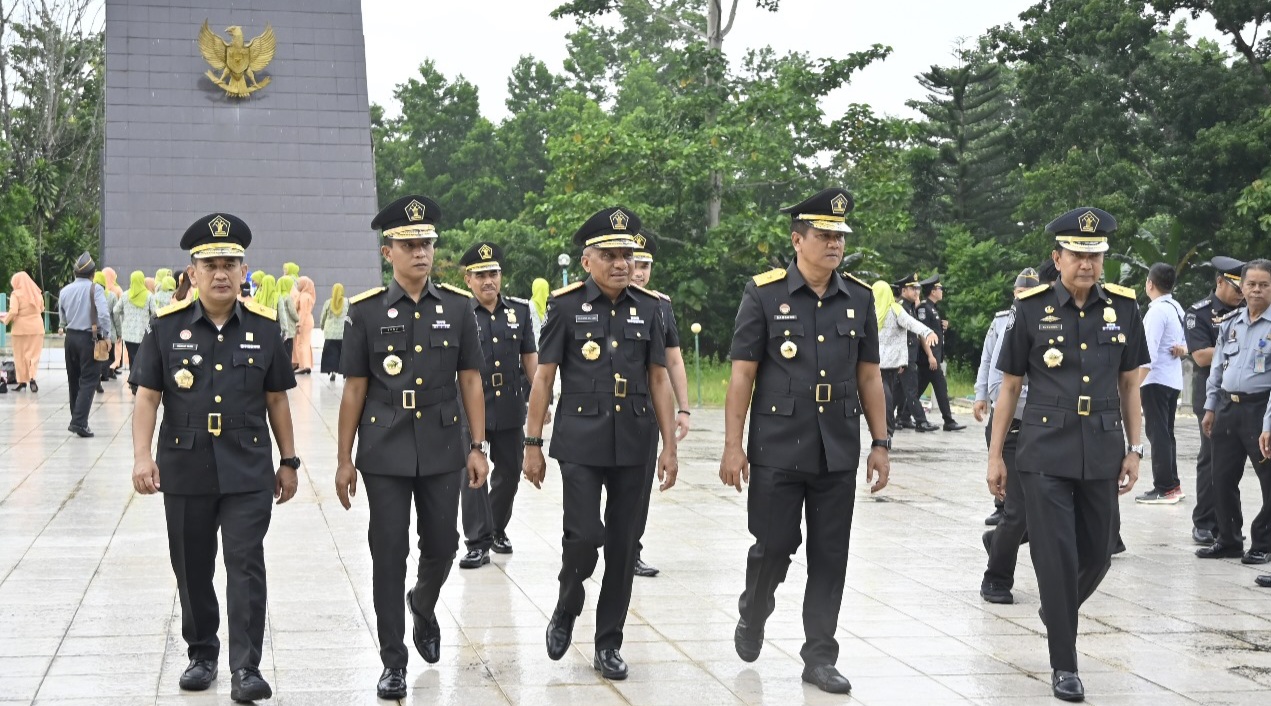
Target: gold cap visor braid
{"type": "Point", "coordinates": [821, 222]}
{"type": "Point", "coordinates": [411, 232]}
{"type": "Point", "coordinates": [1082, 243]}
{"type": "Point", "coordinates": [613, 240]}
{"type": "Point", "coordinates": [483, 267]}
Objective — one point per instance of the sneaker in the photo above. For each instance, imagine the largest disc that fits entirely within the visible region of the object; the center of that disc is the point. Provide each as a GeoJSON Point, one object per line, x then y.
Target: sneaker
{"type": "Point", "coordinates": [1156, 497]}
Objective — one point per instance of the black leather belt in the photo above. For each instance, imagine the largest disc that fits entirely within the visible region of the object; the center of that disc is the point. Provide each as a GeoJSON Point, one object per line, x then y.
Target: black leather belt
{"type": "Point", "coordinates": [215, 421]}
{"type": "Point", "coordinates": [1083, 405]}
{"type": "Point", "coordinates": [621, 387]}
{"type": "Point", "coordinates": [823, 392]}
{"type": "Point", "coordinates": [413, 399]}
{"type": "Point", "coordinates": [1246, 397]}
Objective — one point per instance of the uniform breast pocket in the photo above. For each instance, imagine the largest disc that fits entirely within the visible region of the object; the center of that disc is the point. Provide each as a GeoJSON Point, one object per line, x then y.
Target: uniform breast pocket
{"type": "Point", "coordinates": [445, 342]}
{"type": "Point", "coordinates": [636, 336]}
{"type": "Point", "coordinates": [785, 339]}
{"type": "Point", "coordinates": [396, 344]}
{"type": "Point", "coordinates": [580, 408]}
{"type": "Point", "coordinates": [184, 373]}
{"type": "Point", "coordinates": [850, 331]}
{"type": "Point", "coordinates": [589, 341]}
{"type": "Point", "coordinates": [1111, 343]}
{"type": "Point", "coordinates": [249, 368]}
{"type": "Point", "coordinates": [1051, 418]}
{"type": "Point", "coordinates": [1230, 349]}
{"type": "Point", "coordinates": [1111, 422]}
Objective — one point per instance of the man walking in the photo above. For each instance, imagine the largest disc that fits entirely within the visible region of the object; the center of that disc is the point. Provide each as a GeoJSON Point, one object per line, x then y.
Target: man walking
{"type": "Point", "coordinates": [928, 314]}
{"type": "Point", "coordinates": [1162, 382]}
{"type": "Point", "coordinates": [909, 411]}
{"type": "Point", "coordinates": [85, 318]}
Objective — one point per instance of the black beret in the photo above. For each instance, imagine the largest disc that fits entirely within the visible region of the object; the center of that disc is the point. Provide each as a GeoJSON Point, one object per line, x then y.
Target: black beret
{"type": "Point", "coordinates": [217, 235]}
{"type": "Point", "coordinates": [1083, 229]}
{"type": "Point", "coordinates": [646, 245]}
{"type": "Point", "coordinates": [825, 210]}
{"type": "Point", "coordinates": [609, 228]}
{"type": "Point", "coordinates": [408, 218]}
{"type": "Point", "coordinates": [482, 256]}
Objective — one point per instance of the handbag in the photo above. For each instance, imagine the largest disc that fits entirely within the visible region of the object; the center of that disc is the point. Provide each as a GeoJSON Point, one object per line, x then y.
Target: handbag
{"type": "Point", "coordinates": [101, 346]}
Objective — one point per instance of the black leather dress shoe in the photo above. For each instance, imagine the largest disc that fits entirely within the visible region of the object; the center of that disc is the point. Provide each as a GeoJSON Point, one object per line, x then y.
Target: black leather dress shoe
{"type": "Point", "coordinates": [995, 519]}
{"type": "Point", "coordinates": [426, 632]}
{"type": "Point", "coordinates": [502, 545]}
{"type": "Point", "coordinates": [392, 684]}
{"type": "Point", "coordinates": [748, 642]}
{"type": "Point", "coordinates": [1220, 551]}
{"type": "Point", "coordinates": [82, 432]}
{"type": "Point", "coordinates": [475, 558]}
{"type": "Point", "coordinates": [926, 426]}
{"type": "Point", "coordinates": [1066, 686]}
{"type": "Point", "coordinates": [1264, 580]}
{"type": "Point", "coordinates": [199, 675]}
{"type": "Point", "coordinates": [248, 685]}
{"type": "Point", "coordinates": [827, 679]}
{"type": "Point", "coordinates": [1256, 556]}
{"type": "Point", "coordinates": [1202, 536]}
{"type": "Point", "coordinates": [954, 426]}
{"type": "Point", "coordinates": [610, 665]}
{"type": "Point", "coordinates": [645, 570]}
{"type": "Point", "coordinates": [560, 633]}
{"type": "Point", "coordinates": [993, 592]}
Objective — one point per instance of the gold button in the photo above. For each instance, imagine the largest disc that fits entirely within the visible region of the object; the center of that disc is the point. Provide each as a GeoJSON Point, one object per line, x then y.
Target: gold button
{"type": "Point", "coordinates": [185, 361]}
{"type": "Point", "coordinates": [821, 339]}
{"type": "Point", "coordinates": [419, 348]}
{"type": "Point", "coordinates": [218, 366]}
{"type": "Point", "coordinates": [497, 364]}
{"type": "Point", "coordinates": [372, 420]}
{"type": "Point", "coordinates": [787, 332]}
{"type": "Point", "coordinates": [1082, 314]}
{"type": "Point", "coordinates": [495, 339]}
{"type": "Point", "coordinates": [176, 440]}
{"type": "Point", "coordinates": [822, 373]}
{"type": "Point", "coordinates": [617, 408]}
{"type": "Point", "coordinates": [853, 333]}
{"type": "Point", "coordinates": [613, 344]}
{"type": "Point", "coordinates": [1061, 339]}
{"type": "Point", "coordinates": [498, 393]}
{"type": "Point", "coordinates": [818, 305]}
{"type": "Point", "coordinates": [1044, 419]}
{"type": "Point", "coordinates": [255, 439]}
{"type": "Point", "coordinates": [820, 409]}
{"type": "Point", "coordinates": [220, 337]}
{"type": "Point", "coordinates": [617, 376]}
{"type": "Point", "coordinates": [580, 409]}
{"type": "Point", "coordinates": [416, 314]}
{"type": "Point", "coordinates": [251, 361]}
{"type": "Point", "coordinates": [613, 312]}
{"type": "Point", "coordinates": [390, 349]}
{"type": "Point", "coordinates": [638, 334]}
{"type": "Point", "coordinates": [217, 399]}
{"type": "Point", "coordinates": [588, 334]}
{"type": "Point", "coordinates": [455, 419]}
{"type": "Point", "coordinates": [1083, 346]}
{"type": "Point", "coordinates": [419, 381]}
{"type": "Point", "coordinates": [418, 415]}
{"type": "Point", "coordinates": [445, 343]}
{"type": "Point", "coordinates": [1085, 378]}
{"type": "Point", "coordinates": [1052, 341]}
{"type": "Point", "coordinates": [774, 408]}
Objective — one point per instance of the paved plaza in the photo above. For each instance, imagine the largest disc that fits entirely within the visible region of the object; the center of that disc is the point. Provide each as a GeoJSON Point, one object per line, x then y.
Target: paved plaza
{"type": "Point", "coordinates": [89, 612]}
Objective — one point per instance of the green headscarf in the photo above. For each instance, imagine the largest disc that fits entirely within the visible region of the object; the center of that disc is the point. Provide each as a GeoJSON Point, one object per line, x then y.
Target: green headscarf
{"type": "Point", "coordinates": [169, 283]}
{"type": "Point", "coordinates": [257, 276]}
{"type": "Point", "coordinates": [285, 284]}
{"type": "Point", "coordinates": [883, 301]}
{"type": "Point", "coordinates": [290, 269]}
{"type": "Point", "coordinates": [137, 292]}
{"type": "Point", "coordinates": [100, 278]}
{"type": "Point", "coordinates": [160, 274]}
{"type": "Point", "coordinates": [540, 290]}
{"type": "Point", "coordinates": [266, 294]}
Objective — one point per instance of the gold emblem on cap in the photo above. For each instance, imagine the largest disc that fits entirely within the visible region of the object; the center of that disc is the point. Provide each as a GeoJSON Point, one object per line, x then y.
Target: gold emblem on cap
{"type": "Point", "coordinates": [1053, 357]}
{"type": "Point", "coordinates": [591, 350]}
{"type": "Point", "coordinates": [640, 241]}
{"type": "Point", "coordinates": [1110, 315]}
{"type": "Point", "coordinates": [789, 350]}
{"type": "Point", "coordinates": [415, 211]}
{"type": "Point", "coordinates": [838, 205]}
{"type": "Point", "coordinates": [219, 227]}
{"type": "Point", "coordinates": [183, 378]}
{"type": "Point", "coordinates": [393, 365]}
{"type": "Point", "coordinates": [618, 220]}
{"type": "Point", "coordinates": [1088, 222]}
{"type": "Point", "coordinates": [486, 252]}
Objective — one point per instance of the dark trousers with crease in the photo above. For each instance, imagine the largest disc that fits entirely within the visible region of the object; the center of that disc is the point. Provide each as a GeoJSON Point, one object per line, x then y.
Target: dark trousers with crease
{"type": "Point", "coordinates": [1203, 513]}
{"type": "Point", "coordinates": [1072, 527]}
{"type": "Point", "coordinates": [243, 520]}
{"type": "Point", "coordinates": [910, 407]}
{"type": "Point", "coordinates": [1013, 529]}
{"type": "Point", "coordinates": [891, 384]}
{"type": "Point", "coordinates": [83, 374]}
{"type": "Point", "coordinates": [1160, 403]}
{"type": "Point", "coordinates": [488, 510]}
{"type": "Point", "coordinates": [627, 490]}
{"type": "Point", "coordinates": [1235, 436]}
{"type": "Point", "coordinates": [776, 503]}
{"type": "Point", "coordinates": [652, 471]}
{"type": "Point", "coordinates": [939, 389]}
{"type": "Point", "coordinates": [436, 509]}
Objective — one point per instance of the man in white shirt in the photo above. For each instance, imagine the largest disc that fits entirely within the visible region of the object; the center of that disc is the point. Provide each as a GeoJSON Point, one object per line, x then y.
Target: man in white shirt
{"type": "Point", "coordinates": [1162, 380]}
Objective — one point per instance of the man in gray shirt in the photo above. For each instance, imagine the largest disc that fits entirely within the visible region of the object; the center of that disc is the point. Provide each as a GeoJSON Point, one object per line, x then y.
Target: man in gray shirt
{"type": "Point", "coordinates": [75, 306]}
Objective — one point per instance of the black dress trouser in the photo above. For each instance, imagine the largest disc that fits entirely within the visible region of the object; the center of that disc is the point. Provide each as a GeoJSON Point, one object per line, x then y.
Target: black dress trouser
{"type": "Point", "coordinates": [777, 501]}
{"type": "Point", "coordinates": [1235, 436]}
{"type": "Point", "coordinates": [891, 382]}
{"type": "Point", "coordinates": [910, 407]}
{"type": "Point", "coordinates": [436, 509]}
{"type": "Point", "coordinates": [627, 490]}
{"type": "Point", "coordinates": [243, 520]}
{"type": "Point", "coordinates": [1160, 403]}
{"type": "Point", "coordinates": [1012, 530]}
{"type": "Point", "coordinates": [83, 374]}
{"type": "Point", "coordinates": [1203, 514]}
{"type": "Point", "coordinates": [939, 389]}
{"type": "Point", "coordinates": [488, 510]}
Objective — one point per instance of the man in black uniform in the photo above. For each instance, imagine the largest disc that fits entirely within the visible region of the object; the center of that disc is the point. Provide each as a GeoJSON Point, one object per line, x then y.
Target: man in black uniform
{"type": "Point", "coordinates": [909, 411]}
{"type": "Point", "coordinates": [806, 343]}
{"type": "Point", "coordinates": [404, 344]}
{"type": "Point", "coordinates": [1201, 329]}
{"type": "Point", "coordinates": [218, 366]}
{"type": "Point", "coordinates": [606, 338]}
{"type": "Point", "coordinates": [933, 292]}
{"type": "Point", "coordinates": [1080, 344]}
{"type": "Point", "coordinates": [507, 342]}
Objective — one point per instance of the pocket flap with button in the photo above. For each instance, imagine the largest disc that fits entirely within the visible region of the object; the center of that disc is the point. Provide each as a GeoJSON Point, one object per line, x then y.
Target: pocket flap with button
{"type": "Point", "coordinates": [1044, 417]}
{"type": "Point", "coordinates": [178, 438]}
{"type": "Point", "coordinates": [852, 406]}
{"type": "Point", "coordinates": [639, 406]}
{"type": "Point", "coordinates": [783, 406]}
{"type": "Point", "coordinates": [851, 327]}
{"type": "Point", "coordinates": [449, 413]}
{"type": "Point", "coordinates": [1111, 337]}
{"type": "Point", "coordinates": [781, 329]}
{"type": "Point", "coordinates": [1230, 348]}
{"type": "Point", "coordinates": [377, 414]}
{"type": "Point", "coordinates": [181, 359]}
{"type": "Point", "coordinates": [253, 438]}
{"type": "Point", "coordinates": [249, 358]}
{"type": "Point", "coordinates": [586, 407]}
{"type": "Point", "coordinates": [390, 344]}
{"type": "Point", "coordinates": [584, 333]}
{"type": "Point", "coordinates": [1111, 421]}
{"type": "Point", "coordinates": [636, 332]}
{"type": "Point", "coordinates": [444, 338]}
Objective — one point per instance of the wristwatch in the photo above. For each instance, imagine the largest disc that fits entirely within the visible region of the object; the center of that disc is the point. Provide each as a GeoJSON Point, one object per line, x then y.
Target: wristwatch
{"type": "Point", "coordinates": [293, 462]}
{"type": "Point", "coordinates": [1136, 448]}
{"type": "Point", "coordinates": [533, 441]}
{"type": "Point", "coordinates": [881, 444]}
{"type": "Point", "coordinates": [482, 446]}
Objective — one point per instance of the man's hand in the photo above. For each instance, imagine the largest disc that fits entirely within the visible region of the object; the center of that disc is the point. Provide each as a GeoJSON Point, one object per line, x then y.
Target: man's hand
{"type": "Point", "coordinates": [877, 469]}
{"type": "Point", "coordinates": [944, 324]}
{"type": "Point", "coordinates": [1179, 350]}
{"type": "Point", "coordinates": [1207, 423]}
{"type": "Point", "coordinates": [734, 467]}
{"type": "Point", "coordinates": [478, 469]}
{"type": "Point", "coordinates": [997, 477]}
{"type": "Point", "coordinates": [980, 410]}
{"type": "Point", "coordinates": [1264, 443]}
{"type": "Point", "coordinates": [668, 468]}
{"type": "Point", "coordinates": [547, 416]}
{"type": "Point", "coordinates": [683, 422]}
{"type": "Point", "coordinates": [1129, 473]}
{"type": "Point", "coordinates": [932, 363]}
{"type": "Point", "coordinates": [534, 465]}
{"type": "Point", "coordinates": [145, 476]}
{"type": "Point", "coordinates": [932, 339]}
{"type": "Point", "coordinates": [345, 482]}
{"type": "Point", "coordinates": [284, 484]}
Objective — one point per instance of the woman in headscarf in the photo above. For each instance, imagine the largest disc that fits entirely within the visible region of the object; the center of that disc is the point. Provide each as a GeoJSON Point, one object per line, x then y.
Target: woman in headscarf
{"type": "Point", "coordinates": [148, 283]}
{"type": "Point", "coordinates": [267, 291]}
{"type": "Point", "coordinates": [333, 313]}
{"type": "Point", "coordinates": [288, 317]}
{"type": "Point", "coordinates": [163, 296]}
{"type": "Point", "coordinates": [292, 270]}
{"type": "Point", "coordinates": [134, 310]}
{"type": "Point", "coordinates": [118, 356]}
{"type": "Point", "coordinates": [540, 291]}
{"type": "Point", "coordinates": [894, 324]}
{"type": "Point", "coordinates": [302, 352]}
{"type": "Point", "coordinates": [256, 279]}
{"type": "Point", "coordinates": [26, 319]}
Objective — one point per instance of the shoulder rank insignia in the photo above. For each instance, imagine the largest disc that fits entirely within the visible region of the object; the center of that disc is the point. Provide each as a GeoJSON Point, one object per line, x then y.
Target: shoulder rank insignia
{"type": "Point", "coordinates": [454, 290]}
{"type": "Point", "coordinates": [1034, 291]}
{"type": "Point", "coordinates": [1118, 290]}
{"type": "Point", "coordinates": [857, 280]}
{"type": "Point", "coordinates": [650, 292]}
{"type": "Point", "coordinates": [367, 294]}
{"type": "Point", "coordinates": [1200, 305]}
{"type": "Point", "coordinates": [260, 309]}
{"type": "Point", "coordinates": [518, 300]}
{"type": "Point", "coordinates": [568, 288]}
{"type": "Point", "coordinates": [769, 277]}
{"type": "Point", "coordinates": [1002, 313]}
{"type": "Point", "coordinates": [174, 307]}
{"type": "Point", "coordinates": [1223, 317]}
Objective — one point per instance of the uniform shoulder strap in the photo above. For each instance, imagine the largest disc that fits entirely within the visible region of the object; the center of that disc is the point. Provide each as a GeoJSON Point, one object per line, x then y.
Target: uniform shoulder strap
{"type": "Point", "coordinates": [367, 294]}
{"type": "Point", "coordinates": [518, 300]}
{"type": "Point", "coordinates": [1001, 313]}
{"type": "Point", "coordinates": [174, 307]}
{"type": "Point", "coordinates": [260, 309]}
{"type": "Point", "coordinates": [1034, 291]}
{"type": "Point", "coordinates": [857, 280]}
{"type": "Point", "coordinates": [454, 290]}
{"type": "Point", "coordinates": [567, 288]}
{"type": "Point", "coordinates": [650, 292]}
{"type": "Point", "coordinates": [1120, 291]}
{"type": "Point", "coordinates": [766, 278]}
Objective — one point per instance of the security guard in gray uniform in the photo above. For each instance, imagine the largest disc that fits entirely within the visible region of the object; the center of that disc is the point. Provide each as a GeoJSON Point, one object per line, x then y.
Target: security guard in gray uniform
{"type": "Point", "coordinates": [605, 337]}
{"type": "Point", "coordinates": [1238, 418]}
{"type": "Point", "coordinates": [219, 367]}
{"type": "Point", "coordinates": [806, 342]}
{"type": "Point", "coordinates": [507, 342]}
{"type": "Point", "coordinates": [1080, 345]}
{"type": "Point", "coordinates": [1201, 331]}
{"type": "Point", "coordinates": [404, 346]}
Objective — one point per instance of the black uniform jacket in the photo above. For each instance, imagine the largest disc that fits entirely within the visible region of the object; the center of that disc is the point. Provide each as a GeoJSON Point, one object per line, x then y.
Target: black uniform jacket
{"type": "Point", "coordinates": [805, 415]}
{"type": "Point", "coordinates": [214, 436]}
{"type": "Point", "coordinates": [506, 334]}
{"type": "Point", "coordinates": [929, 315]}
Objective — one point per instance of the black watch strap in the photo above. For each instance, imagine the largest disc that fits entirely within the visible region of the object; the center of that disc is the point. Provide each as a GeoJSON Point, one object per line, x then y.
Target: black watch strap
{"type": "Point", "coordinates": [881, 444]}
{"type": "Point", "coordinates": [533, 441]}
{"type": "Point", "coordinates": [293, 462]}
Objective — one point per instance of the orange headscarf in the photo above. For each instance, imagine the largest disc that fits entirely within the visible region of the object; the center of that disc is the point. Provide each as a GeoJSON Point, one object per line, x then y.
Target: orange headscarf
{"type": "Point", "coordinates": [112, 282]}
{"type": "Point", "coordinates": [25, 288]}
{"type": "Point", "coordinates": [307, 295]}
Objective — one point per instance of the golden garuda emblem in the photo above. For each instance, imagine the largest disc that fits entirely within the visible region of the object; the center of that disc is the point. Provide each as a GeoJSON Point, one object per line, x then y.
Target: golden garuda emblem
{"type": "Point", "coordinates": [237, 62]}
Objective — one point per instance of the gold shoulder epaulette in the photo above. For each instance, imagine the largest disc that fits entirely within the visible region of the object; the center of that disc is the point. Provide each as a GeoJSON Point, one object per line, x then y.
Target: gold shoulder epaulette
{"type": "Point", "coordinates": [650, 292]}
{"type": "Point", "coordinates": [367, 294]}
{"type": "Point", "coordinates": [174, 307]}
{"type": "Point", "coordinates": [857, 280]}
{"type": "Point", "coordinates": [455, 290]}
{"type": "Point", "coordinates": [260, 309]}
{"type": "Point", "coordinates": [1118, 290]}
{"type": "Point", "coordinates": [769, 277]}
{"type": "Point", "coordinates": [567, 288]}
{"type": "Point", "coordinates": [1034, 291]}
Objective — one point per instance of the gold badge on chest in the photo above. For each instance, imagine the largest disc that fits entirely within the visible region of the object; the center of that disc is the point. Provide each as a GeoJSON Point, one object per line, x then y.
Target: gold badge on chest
{"type": "Point", "coordinates": [1110, 315]}
{"type": "Point", "coordinates": [183, 378]}
{"type": "Point", "coordinates": [789, 350]}
{"type": "Point", "coordinates": [1053, 357]}
{"type": "Point", "coordinates": [591, 350]}
{"type": "Point", "coordinates": [393, 365]}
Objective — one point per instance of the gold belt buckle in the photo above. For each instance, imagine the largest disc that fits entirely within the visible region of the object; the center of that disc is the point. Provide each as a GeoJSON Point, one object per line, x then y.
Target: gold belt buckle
{"type": "Point", "coordinates": [620, 387]}
{"type": "Point", "coordinates": [1083, 406]}
{"type": "Point", "coordinates": [496, 379]}
{"type": "Point", "coordinates": [408, 399]}
{"type": "Point", "coordinates": [823, 392]}
{"type": "Point", "coordinates": [214, 423]}
{"type": "Point", "coordinates": [1235, 398]}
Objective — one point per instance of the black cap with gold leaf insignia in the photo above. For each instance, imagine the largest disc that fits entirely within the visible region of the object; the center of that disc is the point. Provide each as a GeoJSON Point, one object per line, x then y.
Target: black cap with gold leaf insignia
{"type": "Point", "coordinates": [408, 218]}
{"type": "Point", "coordinates": [1228, 267]}
{"type": "Point", "coordinates": [910, 280]}
{"type": "Point", "coordinates": [615, 227]}
{"type": "Point", "coordinates": [483, 256]}
{"type": "Point", "coordinates": [1083, 229]}
{"type": "Point", "coordinates": [217, 235]}
{"type": "Point", "coordinates": [646, 245]}
{"type": "Point", "coordinates": [826, 210]}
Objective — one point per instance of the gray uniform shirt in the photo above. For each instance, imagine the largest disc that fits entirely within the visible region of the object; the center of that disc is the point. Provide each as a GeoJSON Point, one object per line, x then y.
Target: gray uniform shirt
{"type": "Point", "coordinates": [1235, 368]}
{"type": "Point", "coordinates": [988, 379]}
{"type": "Point", "coordinates": [75, 308]}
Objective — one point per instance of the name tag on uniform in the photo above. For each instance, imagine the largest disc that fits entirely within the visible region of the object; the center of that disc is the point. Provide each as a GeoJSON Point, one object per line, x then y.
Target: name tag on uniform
{"type": "Point", "coordinates": [440, 324]}
{"type": "Point", "coordinates": [586, 318]}
{"type": "Point", "coordinates": [393, 329]}
{"type": "Point", "coordinates": [635, 320]}
{"type": "Point", "coordinates": [185, 346]}
{"type": "Point", "coordinates": [785, 317]}
{"type": "Point", "coordinates": [1050, 327]}
{"type": "Point", "coordinates": [250, 346]}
